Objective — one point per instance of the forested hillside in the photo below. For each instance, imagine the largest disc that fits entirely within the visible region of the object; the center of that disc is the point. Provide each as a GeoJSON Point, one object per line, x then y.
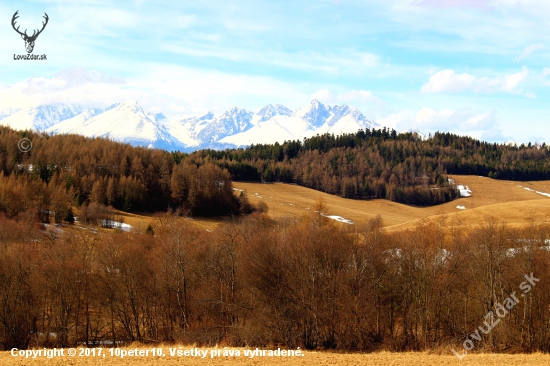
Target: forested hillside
{"type": "Point", "coordinates": [383, 164]}
{"type": "Point", "coordinates": [67, 170]}
{"type": "Point", "coordinates": [63, 171]}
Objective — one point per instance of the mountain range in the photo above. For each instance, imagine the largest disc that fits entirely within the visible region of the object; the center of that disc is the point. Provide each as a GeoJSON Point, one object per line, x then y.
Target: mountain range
{"type": "Point", "coordinates": [129, 123]}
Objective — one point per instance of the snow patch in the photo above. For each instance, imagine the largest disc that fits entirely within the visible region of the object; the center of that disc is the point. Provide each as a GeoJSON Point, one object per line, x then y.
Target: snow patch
{"type": "Point", "coordinates": [340, 218]}
{"type": "Point", "coordinates": [532, 190]}
{"type": "Point", "coordinates": [116, 225]}
{"type": "Point", "coordinates": [461, 207]}
{"type": "Point", "coordinates": [335, 217]}
{"type": "Point", "coordinates": [465, 191]}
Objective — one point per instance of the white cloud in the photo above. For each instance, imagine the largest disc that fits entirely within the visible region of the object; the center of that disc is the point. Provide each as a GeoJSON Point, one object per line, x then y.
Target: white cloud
{"type": "Point", "coordinates": [344, 62]}
{"type": "Point", "coordinates": [511, 82]}
{"type": "Point", "coordinates": [447, 81]}
{"type": "Point", "coordinates": [530, 49]}
{"type": "Point", "coordinates": [360, 96]}
{"type": "Point", "coordinates": [324, 96]}
{"type": "Point", "coordinates": [351, 97]}
{"type": "Point", "coordinates": [62, 89]}
{"type": "Point", "coordinates": [464, 121]}
{"type": "Point", "coordinates": [546, 71]}
{"type": "Point", "coordinates": [425, 113]}
{"type": "Point", "coordinates": [171, 89]}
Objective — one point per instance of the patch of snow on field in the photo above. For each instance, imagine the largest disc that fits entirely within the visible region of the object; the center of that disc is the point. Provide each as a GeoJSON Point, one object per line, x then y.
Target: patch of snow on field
{"type": "Point", "coordinates": [117, 225]}
{"type": "Point", "coordinates": [461, 207]}
{"type": "Point", "coordinates": [532, 190]}
{"type": "Point", "coordinates": [465, 191]}
{"type": "Point", "coordinates": [339, 218]}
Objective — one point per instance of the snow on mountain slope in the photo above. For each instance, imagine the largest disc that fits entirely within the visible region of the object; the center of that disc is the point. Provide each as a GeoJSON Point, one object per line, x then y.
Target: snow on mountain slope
{"type": "Point", "coordinates": [126, 122]}
{"type": "Point", "coordinates": [276, 129]}
{"type": "Point", "coordinates": [41, 117]}
{"type": "Point", "coordinates": [315, 113]}
{"type": "Point", "coordinates": [313, 119]}
{"type": "Point", "coordinates": [235, 120]}
{"type": "Point", "coordinates": [8, 112]}
{"type": "Point", "coordinates": [270, 111]}
{"type": "Point", "coordinates": [345, 119]}
{"type": "Point", "coordinates": [185, 130]}
{"type": "Point", "coordinates": [72, 125]}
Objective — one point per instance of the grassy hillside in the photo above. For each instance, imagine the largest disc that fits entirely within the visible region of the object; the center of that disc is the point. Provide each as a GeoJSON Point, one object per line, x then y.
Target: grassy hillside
{"type": "Point", "coordinates": [499, 198]}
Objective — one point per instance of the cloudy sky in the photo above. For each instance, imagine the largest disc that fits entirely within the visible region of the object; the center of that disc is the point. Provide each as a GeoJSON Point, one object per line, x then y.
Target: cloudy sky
{"type": "Point", "coordinates": [476, 67]}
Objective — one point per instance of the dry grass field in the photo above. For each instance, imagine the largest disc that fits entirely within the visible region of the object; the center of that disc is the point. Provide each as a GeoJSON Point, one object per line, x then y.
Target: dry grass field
{"type": "Point", "coordinates": [507, 200]}
{"type": "Point", "coordinates": [308, 358]}
{"type": "Point", "coordinates": [501, 199]}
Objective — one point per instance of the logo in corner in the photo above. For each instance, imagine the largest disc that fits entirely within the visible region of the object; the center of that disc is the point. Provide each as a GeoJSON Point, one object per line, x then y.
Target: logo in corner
{"type": "Point", "coordinates": [29, 40]}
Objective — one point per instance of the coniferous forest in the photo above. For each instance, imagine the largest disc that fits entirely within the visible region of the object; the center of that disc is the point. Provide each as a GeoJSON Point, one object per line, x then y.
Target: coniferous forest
{"type": "Point", "coordinates": [383, 164]}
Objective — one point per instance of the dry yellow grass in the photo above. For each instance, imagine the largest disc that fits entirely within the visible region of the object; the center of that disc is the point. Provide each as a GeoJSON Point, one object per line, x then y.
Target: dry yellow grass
{"type": "Point", "coordinates": [141, 220]}
{"type": "Point", "coordinates": [497, 198]}
{"type": "Point", "coordinates": [308, 358]}
{"type": "Point", "coordinates": [501, 199]}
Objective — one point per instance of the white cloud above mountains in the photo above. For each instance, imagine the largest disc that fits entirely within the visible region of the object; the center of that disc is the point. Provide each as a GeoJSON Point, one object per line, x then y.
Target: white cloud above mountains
{"type": "Point", "coordinates": [351, 97]}
{"type": "Point", "coordinates": [464, 121]}
{"type": "Point", "coordinates": [448, 81]}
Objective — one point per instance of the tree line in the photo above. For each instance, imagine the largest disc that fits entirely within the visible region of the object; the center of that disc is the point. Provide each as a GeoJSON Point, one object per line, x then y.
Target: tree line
{"type": "Point", "coordinates": [64, 171]}
{"type": "Point", "coordinates": [380, 163]}
{"type": "Point", "coordinates": [306, 283]}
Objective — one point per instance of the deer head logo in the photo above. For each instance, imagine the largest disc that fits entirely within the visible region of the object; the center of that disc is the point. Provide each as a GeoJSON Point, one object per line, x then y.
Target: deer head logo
{"type": "Point", "coordinates": [29, 40]}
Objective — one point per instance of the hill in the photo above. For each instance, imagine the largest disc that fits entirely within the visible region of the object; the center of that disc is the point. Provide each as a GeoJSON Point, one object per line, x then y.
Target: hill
{"type": "Point", "coordinates": [508, 200]}
{"type": "Point", "coordinates": [368, 164]}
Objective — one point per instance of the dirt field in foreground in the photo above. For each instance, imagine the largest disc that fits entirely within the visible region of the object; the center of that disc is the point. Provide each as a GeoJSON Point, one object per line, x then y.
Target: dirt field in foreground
{"type": "Point", "coordinates": [308, 358]}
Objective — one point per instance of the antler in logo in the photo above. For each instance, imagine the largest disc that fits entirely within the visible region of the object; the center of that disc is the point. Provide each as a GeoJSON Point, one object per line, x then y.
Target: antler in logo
{"type": "Point", "coordinates": [29, 40]}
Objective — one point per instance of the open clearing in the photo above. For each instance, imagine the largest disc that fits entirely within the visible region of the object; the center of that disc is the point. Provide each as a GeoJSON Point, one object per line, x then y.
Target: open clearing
{"type": "Point", "coordinates": [309, 358]}
{"type": "Point", "coordinates": [506, 200]}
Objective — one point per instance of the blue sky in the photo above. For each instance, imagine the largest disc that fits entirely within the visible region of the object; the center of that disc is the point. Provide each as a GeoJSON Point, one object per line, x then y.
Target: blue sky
{"type": "Point", "coordinates": [476, 67]}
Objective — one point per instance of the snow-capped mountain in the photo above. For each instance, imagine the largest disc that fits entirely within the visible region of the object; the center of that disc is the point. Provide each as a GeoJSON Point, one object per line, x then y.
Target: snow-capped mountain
{"type": "Point", "coordinates": [8, 112]}
{"type": "Point", "coordinates": [185, 130]}
{"type": "Point", "coordinates": [233, 121]}
{"type": "Point", "coordinates": [128, 122]}
{"type": "Point", "coordinates": [39, 118]}
{"type": "Point", "coordinates": [270, 111]}
{"type": "Point", "coordinates": [316, 114]}
{"type": "Point", "coordinates": [305, 122]}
